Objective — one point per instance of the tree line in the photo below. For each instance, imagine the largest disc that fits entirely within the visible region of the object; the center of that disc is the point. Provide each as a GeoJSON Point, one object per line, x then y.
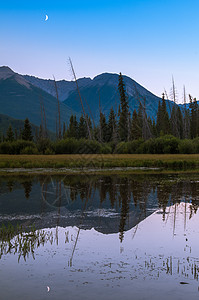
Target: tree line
{"type": "Point", "coordinates": [122, 132]}
{"type": "Point", "coordinates": [126, 126]}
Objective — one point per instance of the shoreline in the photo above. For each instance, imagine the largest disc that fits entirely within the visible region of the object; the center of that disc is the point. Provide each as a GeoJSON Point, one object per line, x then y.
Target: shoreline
{"type": "Point", "coordinates": [99, 164]}
{"type": "Point", "coordinates": [88, 171]}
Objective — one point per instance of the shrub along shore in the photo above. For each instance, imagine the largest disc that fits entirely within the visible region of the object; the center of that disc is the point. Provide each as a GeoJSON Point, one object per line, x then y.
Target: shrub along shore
{"type": "Point", "coordinates": [166, 144]}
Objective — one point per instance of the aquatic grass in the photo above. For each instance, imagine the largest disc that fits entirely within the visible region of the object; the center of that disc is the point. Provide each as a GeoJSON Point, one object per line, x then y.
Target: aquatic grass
{"type": "Point", "coordinates": [22, 241]}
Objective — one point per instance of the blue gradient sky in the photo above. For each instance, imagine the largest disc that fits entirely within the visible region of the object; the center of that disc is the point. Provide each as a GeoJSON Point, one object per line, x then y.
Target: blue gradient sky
{"type": "Point", "coordinates": [148, 40]}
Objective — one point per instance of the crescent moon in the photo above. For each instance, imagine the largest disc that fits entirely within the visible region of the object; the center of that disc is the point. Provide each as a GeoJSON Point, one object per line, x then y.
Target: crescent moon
{"type": "Point", "coordinates": [48, 289]}
{"type": "Point", "coordinates": [46, 18]}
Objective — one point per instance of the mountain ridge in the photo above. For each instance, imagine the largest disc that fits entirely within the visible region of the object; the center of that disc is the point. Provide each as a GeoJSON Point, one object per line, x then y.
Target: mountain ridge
{"type": "Point", "coordinates": [102, 88]}
{"type": "Point", "coordinates": [20, 99]}
{"type": "Point", "coordinates": [64, 87]}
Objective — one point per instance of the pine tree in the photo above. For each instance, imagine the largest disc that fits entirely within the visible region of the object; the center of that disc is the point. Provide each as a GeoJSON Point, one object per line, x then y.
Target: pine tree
{"type": "Point", "coordinates": [186, 122]}
{"type": "Point", "coordinates": [194, 117]}
{"type": "Point", "coordinates": [158, 121]}
{"type": "Point", "coordinates": [27, 131]}
{"type": "Point", "coordinates": [82, 128]}
{"type": "Point", "coordinates": [10, 134]}
{"type": "Point", "coordinates": [123, 127]}
{"type": "Point", "coordinates": [136, 130]}
{"type": "Point", "coordinates": [150, 125]}
{"type": "Point", "coordinates": [173, 122]}
{"type": "Point", "coordinates": [112, 126]}
{"type": "Point", "coordinates": [103, 128]}
{"type": "Point", "coordinates": [72, 130]}
{"type": "Point", "coordinates": [154, 129]}
{"type": "Point", "coordinates": [163, 122]}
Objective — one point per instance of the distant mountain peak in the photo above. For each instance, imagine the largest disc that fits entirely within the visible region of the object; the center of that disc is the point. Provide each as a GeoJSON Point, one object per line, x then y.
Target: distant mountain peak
{"type": "Point", "coordinates": [64, 87]}
{"type": "Point", "coordinates": [111, 78]}
{"type": "Point", "coordinates": [6, 73]}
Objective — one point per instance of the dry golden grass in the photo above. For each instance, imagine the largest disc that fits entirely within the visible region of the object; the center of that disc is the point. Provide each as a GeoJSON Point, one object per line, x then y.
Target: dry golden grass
{"type": "Point", "coordinates": [99, 156]}
{"type": "Point", "coordinates": [168, 161]}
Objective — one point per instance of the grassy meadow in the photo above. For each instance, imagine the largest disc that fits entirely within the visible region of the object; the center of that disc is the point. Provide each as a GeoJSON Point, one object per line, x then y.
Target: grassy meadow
{"type": "Point", "coordinates": [100, 162]}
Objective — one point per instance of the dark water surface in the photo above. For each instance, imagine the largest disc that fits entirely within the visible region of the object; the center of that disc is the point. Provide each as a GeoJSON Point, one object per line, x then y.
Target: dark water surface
{"type": "Point", "coordinates": [99, 237]}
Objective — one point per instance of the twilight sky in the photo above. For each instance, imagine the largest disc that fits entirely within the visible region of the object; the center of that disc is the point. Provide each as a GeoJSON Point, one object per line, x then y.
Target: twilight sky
{"type": "Point", "coordinates": [148, 40]}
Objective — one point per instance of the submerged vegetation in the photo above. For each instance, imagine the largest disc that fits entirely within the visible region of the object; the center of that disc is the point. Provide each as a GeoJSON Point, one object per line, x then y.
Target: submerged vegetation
{"type": "Point", "coordinates": [20, 241]}
{"type": "Point", "coordinates": [23, 241]}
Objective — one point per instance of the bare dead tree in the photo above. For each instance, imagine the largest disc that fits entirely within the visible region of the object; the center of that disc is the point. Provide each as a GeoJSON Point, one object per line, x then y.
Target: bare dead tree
{"type": "Point", "coordinates": [184, 97]}
{"type": "Point", "coordinates": [85, 116]}
{"type": "Point", "coordinates": [174, 91]}
{"type": "Point", "coordinates": [56, 128]}
{"type": "Point", "coordinates": [174, 111]}
{"type": "Point", "coordinates": [186, 118]}
{"type": "Point", "coordinates": [168, 102]}
{"type": "Point", "coordinates": [88, 195]}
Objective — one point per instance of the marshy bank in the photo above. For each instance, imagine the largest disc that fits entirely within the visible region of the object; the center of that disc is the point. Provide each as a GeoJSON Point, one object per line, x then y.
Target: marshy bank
{"type": "Point", "coordinates": [71, 163]}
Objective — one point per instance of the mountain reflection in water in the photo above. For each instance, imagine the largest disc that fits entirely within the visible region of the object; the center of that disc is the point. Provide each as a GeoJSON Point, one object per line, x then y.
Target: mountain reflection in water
{"type": "Point", "coordinates": [114, 235]}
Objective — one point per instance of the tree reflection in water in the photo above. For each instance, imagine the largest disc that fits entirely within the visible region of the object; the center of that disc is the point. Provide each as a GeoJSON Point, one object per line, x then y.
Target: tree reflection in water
{"type": "Point", "coordinates": [24, 243]}
{"type": "Point", "coordinates": [125, 194]}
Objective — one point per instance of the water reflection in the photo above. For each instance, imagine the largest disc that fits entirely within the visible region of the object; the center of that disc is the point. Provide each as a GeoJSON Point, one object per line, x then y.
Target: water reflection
{"type": "Point", "coordinates": [19, 241]}
{"type": "Point", "coordinates": [153, 251]}
{"type": "Point", "coordinates": [103, 231]}
{"type": "Point", "coordinates": [110, 204]}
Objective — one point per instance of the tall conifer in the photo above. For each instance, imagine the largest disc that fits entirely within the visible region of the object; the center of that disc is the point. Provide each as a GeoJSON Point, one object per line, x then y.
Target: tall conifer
{"type": "Point", "coordinates": [136, 130]}
{"type": "Point", "coordinates": [27, 131]}
{"type": "Point", "coordinates": [10, 134]}
{"type": "Point", "coordinates": [124, 111]}
{"type": "Point", "coordinates": [82, 128]}
{"type": "Point", "coordinates": [112, 126]}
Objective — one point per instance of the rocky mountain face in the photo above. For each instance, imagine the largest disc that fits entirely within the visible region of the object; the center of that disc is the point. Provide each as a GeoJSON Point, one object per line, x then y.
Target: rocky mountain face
{"type": "Point", "coordinates": [64, 87]}
{"type": "Point", "coordinates": [7, 73]}
{"type": "Point", "coordinates": [102, 93]}
{"type": "Point", "coordinates": [20, 99]}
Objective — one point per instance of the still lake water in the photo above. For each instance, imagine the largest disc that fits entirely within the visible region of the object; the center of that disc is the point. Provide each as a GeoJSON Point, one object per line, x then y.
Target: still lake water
{"type": "Point", "coordinates": [99, 237]}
